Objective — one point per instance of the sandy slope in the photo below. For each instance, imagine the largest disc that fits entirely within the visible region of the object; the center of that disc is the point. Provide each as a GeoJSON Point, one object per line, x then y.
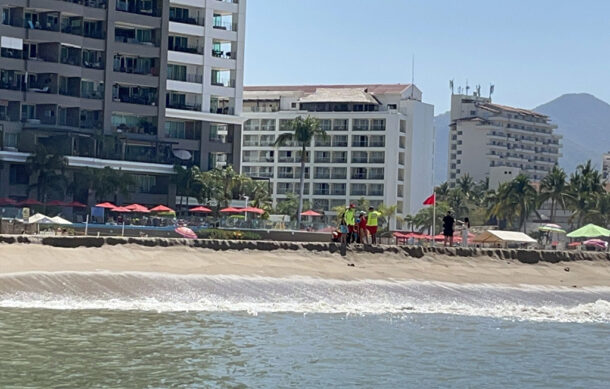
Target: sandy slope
{"type": "Point", "coordinates": [16, 258]}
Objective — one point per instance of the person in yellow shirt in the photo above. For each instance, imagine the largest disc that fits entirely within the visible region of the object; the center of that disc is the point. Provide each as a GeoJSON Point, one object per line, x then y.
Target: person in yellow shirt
{"type": "Point", "coordinates": [372, 221]}
{"type": "Point", "coordinates": [350, 220]}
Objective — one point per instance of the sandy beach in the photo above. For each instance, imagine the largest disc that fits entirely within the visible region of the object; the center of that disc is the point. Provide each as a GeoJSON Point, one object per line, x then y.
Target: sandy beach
{"type": "Point", "coordinates": [20, 258]}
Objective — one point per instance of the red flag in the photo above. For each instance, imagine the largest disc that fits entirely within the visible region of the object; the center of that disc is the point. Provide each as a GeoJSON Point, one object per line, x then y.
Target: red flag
{"type": "Point", "coordinates": [430, 200]}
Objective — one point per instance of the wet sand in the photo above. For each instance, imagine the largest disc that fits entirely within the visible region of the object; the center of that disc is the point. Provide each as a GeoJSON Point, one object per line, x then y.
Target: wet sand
{"type": "Point", "coordinates": [19, 258]}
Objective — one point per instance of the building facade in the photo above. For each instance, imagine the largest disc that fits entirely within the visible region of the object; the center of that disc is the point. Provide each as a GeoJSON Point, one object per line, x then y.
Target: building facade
{"type": "Point", "coordinates": [380, 144]}
{"type": "Point", "coordinates": [488, 140]}
{"type": "Point", "coordinates": [133, 85]}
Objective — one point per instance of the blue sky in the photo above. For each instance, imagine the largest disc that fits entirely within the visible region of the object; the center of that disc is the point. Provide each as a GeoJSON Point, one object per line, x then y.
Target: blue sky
{"type": "Point", "coordinates": [533, 51]}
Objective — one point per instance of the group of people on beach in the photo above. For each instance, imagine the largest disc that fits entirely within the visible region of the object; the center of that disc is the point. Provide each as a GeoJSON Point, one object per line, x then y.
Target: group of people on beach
{"type": "Point", "coordinates": [356, 227]}
{"type": "Point", "coordinates": [448, 229]}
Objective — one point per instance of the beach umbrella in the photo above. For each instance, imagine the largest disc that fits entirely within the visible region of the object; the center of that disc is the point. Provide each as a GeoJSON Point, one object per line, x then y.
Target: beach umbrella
{"type": "Point", "coordinates": [120, 210]}
{"type": "Point", "coordinates": [40, 218]}
{"type": "Point", "coordinates": [602, 244]}
{"type": "Point", "coordinates": [106, 205]}
{"type": "Point", "coordinates": [258, 211]}
{"type": "Point", "coordinates": [589, 231]}
{"type": "Point", "coordinates": [186, 232]}
{"type": "Point", "coordinates": [7, 201]}
{"type": "Point", "coordinates": [76, 204]}
{"type": "Point", "coordinates": [230, 210]}
{"type": "Point", "coordinates": [552, 228]}
{"type": "Point", "coordinates": [200, 209]}
{"type": "Point", "coordinates": [28, 202]}
{"type": "Point", "coordinates": [310, 212]}
{"type": "Point", "coordinates": [137, 208]}
{"type": "Point", "coordinates": [161, 208]}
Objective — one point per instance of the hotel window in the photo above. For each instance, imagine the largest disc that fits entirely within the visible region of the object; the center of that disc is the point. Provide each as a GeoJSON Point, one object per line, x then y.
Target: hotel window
{"type": "Point", "coordinates": [339, 173]}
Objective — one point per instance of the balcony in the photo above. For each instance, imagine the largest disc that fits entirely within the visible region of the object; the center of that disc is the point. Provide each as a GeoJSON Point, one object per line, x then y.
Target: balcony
{"type": "Point", "coordinates": [340, 160]}
{"type": "Point", "coordinates": [192, 49]}
{"type": "Point", "coordinates": [338, 192]}
{"type": "Point", "coordinates": [11, 53]}
{"type": "Point", "coordinates": [149, 8]}
{"type": "Point", "coordinates": [360, 144]}
{"type": "Point", "coordinates": [186, 20]}
{"type": "Point", "coordinates": [359, 159]}
{"type": "Point", "coordinates": [340, 143]}
{"type": "Point", "coordinates": [90, 3]}
{"type": "Point", "coordinates": [223, 110]}
{"type": "Point", "coordinates": [222, 25]}
{"type": "Point", "coordinates": [322, 160]}
{"type": "Point", "coordinates": [184, 106]}
{"type": "Point", "coordinates": [321, 191]}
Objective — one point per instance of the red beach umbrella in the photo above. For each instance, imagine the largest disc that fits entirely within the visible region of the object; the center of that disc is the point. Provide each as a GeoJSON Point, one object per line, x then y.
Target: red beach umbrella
{"type": "Point", "coordinates": [57, 203]}
{"type": "Point", "coordinates": [311, 212]}
{"type": "Point", "coordinates": [120, 210]}
{"type": "Point", "coordinates": [7, 201]}
{"type": "Point", "coordinates": [107, 205]}
{"type": "Point", "coordinates": [200, 209]}
{"type": "Point", "coordinates": [230, 210]}
{"type": "Point", "coordinates": [258, 211]}
{"type": "Point", "coordinates": [186, 232]}
{"type": "Point", "coordinates": [161, 208]}
{"type": "Point", "coordinates": [137, 208]}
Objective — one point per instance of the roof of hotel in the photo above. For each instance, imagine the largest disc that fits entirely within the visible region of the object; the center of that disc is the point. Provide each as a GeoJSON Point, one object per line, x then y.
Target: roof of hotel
{"type": "Point", "coordinates": [370, 88]}
{"type": "Point", "coordinates": [342, 95]}
{"type": "Point", "coordinates": [498, 107]}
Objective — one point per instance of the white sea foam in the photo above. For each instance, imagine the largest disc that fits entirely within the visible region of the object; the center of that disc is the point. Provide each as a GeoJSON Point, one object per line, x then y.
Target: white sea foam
{"type": "Point", "coordinates": [167, 293]}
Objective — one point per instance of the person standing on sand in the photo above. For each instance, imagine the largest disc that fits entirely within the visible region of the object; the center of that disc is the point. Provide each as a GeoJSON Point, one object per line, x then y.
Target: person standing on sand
{"type": "Point", "coordinates": [344, 233]}
{"type": "Point", "coordinates": [465, 231]}
{"type": "Point", "coordinates": [349, 217]}
{"type": "Point", "coordinates": [448, 222]}
{"type": "Point", "coordinates": [362, 229]}
{"type": "Point", "coordinates": [372, 220]}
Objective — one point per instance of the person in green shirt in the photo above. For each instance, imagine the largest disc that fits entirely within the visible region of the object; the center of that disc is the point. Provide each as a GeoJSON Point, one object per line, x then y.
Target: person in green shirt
{"type": "Point", "coordinates": [349, 216]}
{"type": "Point", "coordinates": [372, 221]}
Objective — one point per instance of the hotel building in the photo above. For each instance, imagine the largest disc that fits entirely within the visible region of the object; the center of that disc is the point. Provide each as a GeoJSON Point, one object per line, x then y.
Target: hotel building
{"type": "Point", "coordinates": [380, 144]}
{"type": "Point", "coordinates": [498, 142]}
{"type": "Point", "coordinates": [133, 85]}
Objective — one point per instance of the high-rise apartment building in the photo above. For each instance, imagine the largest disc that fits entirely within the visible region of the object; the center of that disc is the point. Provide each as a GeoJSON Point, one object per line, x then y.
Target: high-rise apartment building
{"type": "Point", "coordinates": [133, 85]}
{"type": "Point", "coordinates": [379, 147]}
{"type": "Point", "coordinates": [488, 140]}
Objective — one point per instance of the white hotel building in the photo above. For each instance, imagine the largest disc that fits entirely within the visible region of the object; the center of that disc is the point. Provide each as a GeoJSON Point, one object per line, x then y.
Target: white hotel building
{"type": "Point", "coordinates": [498, 142]}
{"type": "Point", "coordinates": [380, 144]}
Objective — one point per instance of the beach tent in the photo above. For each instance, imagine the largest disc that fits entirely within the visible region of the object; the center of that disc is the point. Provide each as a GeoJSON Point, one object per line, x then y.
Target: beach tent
{"type": "Point", "coordinates": [60, 220]}
{"type": "Point", "coordinates": [589, 231]}
{"type": "Point", "coordinates": [39, 218]}
{"type": "Point", "coordinates": [503, 237]}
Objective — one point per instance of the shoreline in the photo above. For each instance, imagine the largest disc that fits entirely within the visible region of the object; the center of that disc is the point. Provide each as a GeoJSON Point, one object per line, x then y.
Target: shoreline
{"type": "Point", "coordinates": [315, 260]}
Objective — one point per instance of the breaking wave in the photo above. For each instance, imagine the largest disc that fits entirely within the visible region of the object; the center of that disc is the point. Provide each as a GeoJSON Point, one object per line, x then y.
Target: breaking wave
{"type": "Point", "coordinates": [166, 293]}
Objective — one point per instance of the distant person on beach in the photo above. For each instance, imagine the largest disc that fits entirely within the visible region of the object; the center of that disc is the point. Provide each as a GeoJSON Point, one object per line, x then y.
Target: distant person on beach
{"type": "Point", "coordinates": [448, 222]}
{"type": "Point", "coordinates": [465, 231]}
{"type": "Point", "coordinates": [372, 221]}
{"type": "Point", "coordinates": [362, 229]}
{"type": "Point", "coordinates": [349, 217]}
{"type": "Point", "coordinates": [344, 232]}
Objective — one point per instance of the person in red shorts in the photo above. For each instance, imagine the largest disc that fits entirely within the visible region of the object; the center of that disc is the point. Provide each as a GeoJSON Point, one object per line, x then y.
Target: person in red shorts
{"type": "Point", "coordinates": [372, 220]}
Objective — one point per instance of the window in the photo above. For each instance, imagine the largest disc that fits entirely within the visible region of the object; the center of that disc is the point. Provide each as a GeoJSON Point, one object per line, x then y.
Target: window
{"type": "Point", "coordinates": [322, 173]}
{"type": "Point", "coordinates": [18, 175]}
{"type": "Point", "coordinates": [320, 188]}
{"type": "Point", "coordinates": [11, 140]}
{"type": "Point", "coordinates": [340, 124]}
{"type": "Point", "coordinates": [339, 173]}
{"type": "Point", "coordinates": [285, 124]}
{"type": "Point", "coordinates": [358, 189]}
{"type": "Point", "coordinates": [378, 125]}
{"type": "Point", "coordinates": [376, 190]}
{"type": "Point", "coordinates": [392, 106]}
{"type": "Point", "coordinates": [176, 72]}
{"type": "Point", "coordinates": [359, 157]}
{"type": "Point", "coordinates": [360, 125]}
{"type": "Point", "coordinates": [268, 124]}
{"type": "Point", "coordinates": [338, 189]}
{"type": "Point", "coordinates": [145, 183]}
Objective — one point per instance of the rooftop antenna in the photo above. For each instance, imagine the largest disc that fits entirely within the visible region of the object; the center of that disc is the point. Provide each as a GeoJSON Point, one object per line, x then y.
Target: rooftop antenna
{"type": "Point", "coordinates": [478, 88]}
{"type": "Point", "coordinates": [467, 87]}
{"type": "Point", "coordinates": [412, 73]}
{"type": "Point", "coordinates": [451, 86]}
{"type": "Point", "coordinates": [491, 90]}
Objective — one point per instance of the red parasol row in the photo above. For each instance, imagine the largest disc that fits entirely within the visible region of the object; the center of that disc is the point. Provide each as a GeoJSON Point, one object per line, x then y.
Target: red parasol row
{"type": "Point", "coordinates": [31, 202]}
{"type": "Point", "coordinates": [247, 209]}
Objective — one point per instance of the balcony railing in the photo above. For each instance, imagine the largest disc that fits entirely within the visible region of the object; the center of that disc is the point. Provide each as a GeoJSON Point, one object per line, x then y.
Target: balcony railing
{"type": "Point", "coordinates": [223, 111]}
{"type": "Point", "coordinates": [137, 7]}
{"type": "Point", "coordinates": [187, 107]}
{"type": "Point", "coordinates": [219, 25]}
{"type": "Point", "coordinates": [340, 160]}
{"type": "Point", "coordinates": [360, 144]}
{"type": "Point", "coordinates": [89, 3]}
{"type": "Point", "coordinates": [358, 176]}
{"type": "Point", "coordinates": [338, 192]}
{"type": "Point", "coordinates": [134, 70]}
{"type": "Point", "coordinates": [359, 159]}
{"type": "Point", "coordinates": [223, 54]}
{"type": "Point", "coordinates": [322, 160]}
{"type": "Point", "coordinates": [141, 100]}
{"type": "Point", "coordinates": [187, 20]}
{"type": "Point", "coordinates": [342, 143]}
{"type": "Point", "coordinates": [225, 83]}
{"type": "Point", "coordinates": [187, 49]}
{"type": "Point", "coordinates": [322, 176]}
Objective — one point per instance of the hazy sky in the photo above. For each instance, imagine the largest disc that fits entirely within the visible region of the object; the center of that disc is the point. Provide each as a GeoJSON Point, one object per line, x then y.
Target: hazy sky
{"type": "Point", "coordinates": [533, 51]}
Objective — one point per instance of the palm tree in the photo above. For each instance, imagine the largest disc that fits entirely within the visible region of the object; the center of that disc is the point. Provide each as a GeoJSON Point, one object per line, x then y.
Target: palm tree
{"type": "Point", "coordinates": [188, 182]}
{"type": "Point", "coordinates": [553, 187]}
{"type": "Point", "coordinates": [516, 198]}
{"type": "Point", "coordinates": [48, 170]}
{"type": "Point", "coordinates": [466, 184]}
{"type": "Point", "coordinates": [583, 189]}
{"type": "Point", "coordinates": [442, 191]}
{"type": "Point", "coordinates": [457, 200]}
{"type": "Point", "coordinates": [303, 131]}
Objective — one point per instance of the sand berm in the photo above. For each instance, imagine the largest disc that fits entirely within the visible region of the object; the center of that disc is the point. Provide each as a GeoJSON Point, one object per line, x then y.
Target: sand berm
{"type": "Point", "coordinates": [19, 254]}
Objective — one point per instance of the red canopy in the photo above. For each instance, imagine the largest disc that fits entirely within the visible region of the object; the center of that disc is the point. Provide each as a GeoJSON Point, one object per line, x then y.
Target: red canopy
{"type": "Point", "coordinates": [137, 208]}
{"type": "Point", "coordinates": [7, 201]}
{"type": "Point", "coordinates": [57, 203]}
{"type": "Point", "coordinates": [253, 210]}
{"type": "Point", "coordinates": [120, 209]}
{"type": "Point", "coordinates": [311, 212]}
{"type": "Point", "coordinates": [161, 208]}
{"type": "Point", "coordinates": [29, 202]}
{"type": "Point", "coordinates": [106, 205]}
{"type": "Point", "coordinates": [76, 204]}
{"type": "Point", "coordinates": [231, 210]}
{"type": "Point", "coordinates": [200, 209]}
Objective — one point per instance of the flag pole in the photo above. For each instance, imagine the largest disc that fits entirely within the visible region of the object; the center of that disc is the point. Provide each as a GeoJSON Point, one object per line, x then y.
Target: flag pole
{"type": "Point", "coordinates": [434, 217]}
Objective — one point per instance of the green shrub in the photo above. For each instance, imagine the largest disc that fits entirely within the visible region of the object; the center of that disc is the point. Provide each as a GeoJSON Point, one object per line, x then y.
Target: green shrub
{"type": "Point", "coordinates": [212, 233]}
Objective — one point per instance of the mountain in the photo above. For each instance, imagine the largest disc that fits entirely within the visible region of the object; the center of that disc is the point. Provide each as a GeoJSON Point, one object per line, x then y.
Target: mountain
{"type": "Point", "coordinates": [584, 122]}
{"type": "Point", "coordinates": [441, 124]}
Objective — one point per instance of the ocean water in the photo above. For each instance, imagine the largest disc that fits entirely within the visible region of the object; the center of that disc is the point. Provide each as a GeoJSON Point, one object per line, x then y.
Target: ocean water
{"type": "Point", "coordinates": [154, 330]}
